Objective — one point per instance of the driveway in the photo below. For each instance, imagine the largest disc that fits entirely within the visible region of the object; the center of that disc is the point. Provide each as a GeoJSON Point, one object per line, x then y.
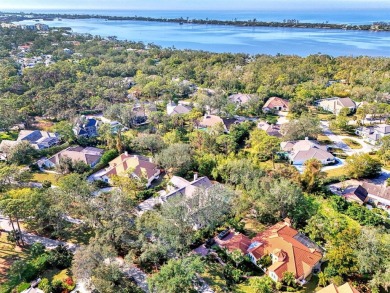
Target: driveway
{"type": "Point", "coordinates": [30, 238]}
{"type": "Point", "coordinates": [338, 141]}
{"type": "Point", "coordinates": [282, 118]}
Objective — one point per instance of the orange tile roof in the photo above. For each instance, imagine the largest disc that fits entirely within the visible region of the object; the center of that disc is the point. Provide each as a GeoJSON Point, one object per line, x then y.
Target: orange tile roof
{"type": "Point", "coordinates": [292, 255]}
{"type": "Point", "coordinates": [237, 242]}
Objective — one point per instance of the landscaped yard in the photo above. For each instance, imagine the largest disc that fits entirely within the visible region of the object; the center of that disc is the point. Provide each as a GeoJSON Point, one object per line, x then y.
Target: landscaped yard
{"type": "Point", "coordinates": [353, 144]}
{"type": "Point", "coordinates": [342, 171]}
{"type": "Point", "coordinates": [8, 254]}
{"type": "Point", "coordinates": [324, 140]}
{"type": "Point", "coordinates": [42, 176]}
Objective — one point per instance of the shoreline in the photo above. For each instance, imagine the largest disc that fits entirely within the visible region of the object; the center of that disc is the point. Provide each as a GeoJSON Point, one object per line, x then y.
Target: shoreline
{"type": "Point", "coordinates": [289, 23]}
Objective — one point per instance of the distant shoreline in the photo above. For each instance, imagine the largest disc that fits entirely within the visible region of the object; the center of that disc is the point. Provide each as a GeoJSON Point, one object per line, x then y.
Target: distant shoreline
{"type": "Point", "coordinates": [287, 23]}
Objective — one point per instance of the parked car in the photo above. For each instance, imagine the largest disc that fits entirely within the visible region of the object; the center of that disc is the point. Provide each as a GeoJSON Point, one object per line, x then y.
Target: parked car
{"type": "Point", "coordinates": [210, 242]}
{"type": "Point", "coordinates": [223, 234]}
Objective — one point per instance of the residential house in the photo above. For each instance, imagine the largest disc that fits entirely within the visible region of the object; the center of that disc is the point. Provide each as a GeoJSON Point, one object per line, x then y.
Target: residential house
{"type": "Point", "coordinates": [271, 129]}
{"type": "Point", "coordinates": [335, 104]}
{"type": "Point", "coordinates": [139, 115]}
{"type": "Point", "coordinates": [377, 193]}
{"type": "Point", "coordinates": [87, 127]}
{"type": "Point", "coordinates": [173, 109]}
{"type": "Point", "coordinates": [38, 139]}
{"type": "Point", "coordinates": [300, 151]}
{"type": "Point", "coordinates": [89, 155]}
{"type": "Point", "coordinates": [129, 165]}
{"type": "Point", "coordinates": [290, 251]}
{"type": "Point", "coordinates": [275, 104]}
{"type": "Point", "coordinates": [179, 186]}
{"type": "Point", "coordinates": [356, 193]}
{"type": "Point", "coordinates": [239, 99]}
{"type": "Point", "coordinates": [237, 242]}
{"type": "Point", "coordinates": [332, 288]}
{"type": "Point", "coordinates": [373, 134]}
{"type": "Point", "coordinates": [210, 121]}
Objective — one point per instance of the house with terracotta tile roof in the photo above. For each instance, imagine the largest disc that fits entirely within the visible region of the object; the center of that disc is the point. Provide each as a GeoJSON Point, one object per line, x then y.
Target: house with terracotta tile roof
{"type": "Point", "coordinates": [332, 288]}
{"type": "Point", "coordinates": [300, 151]}
{"type": "Point", "coordinates": [129, 165]}
{"type": "Point", "coordinates": [237, 242]}
{"type": "Point", "coordinates": [89, 155]}
{"type": "Point", "coordinates": [275, 104]}
{"type": "Point", "coordinates": [290, 251]}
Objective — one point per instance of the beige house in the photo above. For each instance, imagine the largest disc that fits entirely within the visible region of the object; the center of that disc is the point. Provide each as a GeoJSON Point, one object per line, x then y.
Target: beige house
{"type": "Point", "coordinates": [89, 155]}
{"type": "Point", "coordinates": [276, 104]}
{"type": "Point", "coordinates": [129, 165]}
{"type": "Point", "coordinates": [335, 104]}
{"type": "Point", "coordinates": [300, 151]}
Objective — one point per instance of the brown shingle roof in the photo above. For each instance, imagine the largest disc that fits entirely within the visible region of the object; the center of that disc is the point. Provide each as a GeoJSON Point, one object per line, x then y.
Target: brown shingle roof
{"type": "Point", "coordinates": [276, 102]}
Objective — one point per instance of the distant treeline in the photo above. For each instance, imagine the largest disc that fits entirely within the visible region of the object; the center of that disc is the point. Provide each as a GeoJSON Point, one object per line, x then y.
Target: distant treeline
{"type": "Point", "coordinates": [290, 23]}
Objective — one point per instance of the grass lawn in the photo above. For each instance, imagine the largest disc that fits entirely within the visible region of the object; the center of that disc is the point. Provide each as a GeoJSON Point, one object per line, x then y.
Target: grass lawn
{"type": "Point", "coordinates": [325, 117]}
{"type": "Point", "coordinates": [245, 287]}
{"type": "Point", "coordinates": [336, 172]}
{"type": "Point", "coordinates": [42, 176]}
{"type": "Point", "coordinates": [353, 144]}
{"type": "Point", "coordinates": [8, 254]}
{"type": "Point", "coordinates": [12, 135]}
{"type": "Point", "coordinates": [324, 140]}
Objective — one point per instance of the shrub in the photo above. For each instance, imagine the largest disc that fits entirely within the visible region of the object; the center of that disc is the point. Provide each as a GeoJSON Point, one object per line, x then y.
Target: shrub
{"type": "Point", "coordinates": [37, 249]}
{"type": "Point", "coordinates": [108, 156]}
{"type": "Point", "coordinates": [46, 184]}
{"type": "Point", "coordinates": [60, 257]}
{"type": "Point", "coordinates": [40, 263]}
{"type": "Point", "coordinates": [22, 286]}
{"type": "Point", "coordinates": [44, 285]}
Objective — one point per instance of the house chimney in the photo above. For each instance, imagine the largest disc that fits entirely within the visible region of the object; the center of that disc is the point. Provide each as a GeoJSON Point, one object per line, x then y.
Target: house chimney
{"type": "Point", "coordinates": [306, 138]}
{"type": "Point", "coordinates": [126, 153]}
{"type": "Point", "coordinates": [195, 176]}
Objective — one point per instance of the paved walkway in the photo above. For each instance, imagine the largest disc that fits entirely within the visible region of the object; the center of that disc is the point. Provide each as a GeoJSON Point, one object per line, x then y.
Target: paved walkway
{"type": "Point", "coordinates": [135, 273]}
{"type": "Point", "coordinates": [30, 238]}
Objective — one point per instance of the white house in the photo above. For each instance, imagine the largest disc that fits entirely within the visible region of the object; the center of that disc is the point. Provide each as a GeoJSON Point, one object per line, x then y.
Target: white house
{"type": "Point", "coordinates": [335, 104]}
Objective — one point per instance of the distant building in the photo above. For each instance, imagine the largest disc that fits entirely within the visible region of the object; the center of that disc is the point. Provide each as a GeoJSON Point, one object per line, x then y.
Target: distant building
{"type": "Point", "coordinates": [275, 104]}
{"type": "Point", "coordinates": [89, 155]}
{"type": "Point", "coordinates": [210, 121]}
{"type": "Point", "coordinates": [335, 104]}
{"type": "Point", "coordinates": [173, 109]}
{"type": "Point", "coordinates": [240, 99]}
{"type": "Point", "coordinates": [39, 139]}
{"type": "Point", "coordinates": [271, 129]}
{"type": "Point", "coordinates": [373, 134]}
{"type": "Point", "coordinates": [87, 127]}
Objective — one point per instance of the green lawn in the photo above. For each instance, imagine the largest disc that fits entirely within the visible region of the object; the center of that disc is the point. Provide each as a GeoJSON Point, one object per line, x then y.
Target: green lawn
{"type": "Point", "coordinates": [353, 144]}
{"type": "Point", "coordinates": [12, 135]}
{"type": "Point", "coordinates": [253, 227]}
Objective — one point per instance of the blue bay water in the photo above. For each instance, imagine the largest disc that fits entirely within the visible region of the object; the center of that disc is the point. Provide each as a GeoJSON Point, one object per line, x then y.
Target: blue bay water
{"type": "Point", "coordinates": [258, 40]}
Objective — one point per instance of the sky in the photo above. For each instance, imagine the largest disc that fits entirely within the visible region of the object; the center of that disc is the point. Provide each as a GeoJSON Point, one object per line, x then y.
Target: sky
{"type": "Point", "coordinates": [25, 5]}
